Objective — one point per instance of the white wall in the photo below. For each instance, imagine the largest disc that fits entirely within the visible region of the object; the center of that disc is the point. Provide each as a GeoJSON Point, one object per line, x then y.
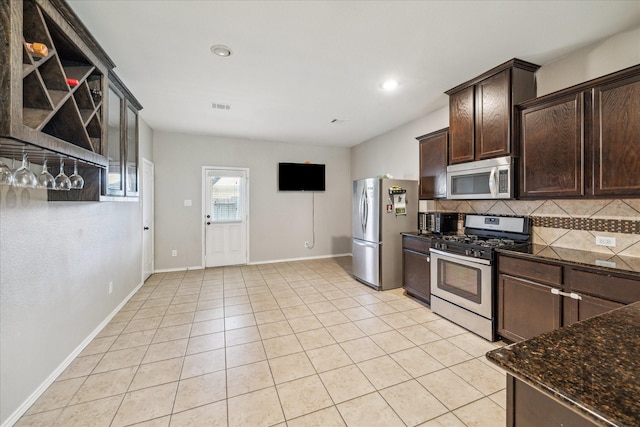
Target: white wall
{"type": "Point", "coordinates": [396, 151]}
{"type": "Point", "coordinates": [280, 222]}
{"type": "Point", "coordinates": [613, 54]}
{"type": "Point", "coordinates": [56, 260]}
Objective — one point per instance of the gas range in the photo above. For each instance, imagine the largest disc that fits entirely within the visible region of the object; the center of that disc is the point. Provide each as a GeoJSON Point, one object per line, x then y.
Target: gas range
{"type": "Point", "coordinates": [484, 234]}
{"type": "Point", "coordinates": [463, 274]}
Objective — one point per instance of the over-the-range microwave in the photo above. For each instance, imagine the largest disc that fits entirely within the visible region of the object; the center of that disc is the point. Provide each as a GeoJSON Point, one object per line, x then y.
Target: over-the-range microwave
{"type": "Point", "coordinates": [483, 179]}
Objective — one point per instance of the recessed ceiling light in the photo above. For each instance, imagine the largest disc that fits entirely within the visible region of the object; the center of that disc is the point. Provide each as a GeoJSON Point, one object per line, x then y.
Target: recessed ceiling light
{"type": "Point", "coordinates": [221, 50]}
{"type": "Point", "coordinates": [390, 85]}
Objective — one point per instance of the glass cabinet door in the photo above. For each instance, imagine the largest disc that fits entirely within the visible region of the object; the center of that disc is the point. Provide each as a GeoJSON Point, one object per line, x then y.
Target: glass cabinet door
{"type": "Point", "coordinates": [131, 154]}
{"type": "Point", "coordinates": [114, 182]}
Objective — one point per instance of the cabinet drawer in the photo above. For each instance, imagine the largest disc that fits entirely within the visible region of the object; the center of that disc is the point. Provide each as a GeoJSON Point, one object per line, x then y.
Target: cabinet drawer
{"type": "Point", "coordinates": [415, 244]}
{"type": "Point", "coordinates": [532, 270]}
{"type": "Point", "coordinates": [619, 289]}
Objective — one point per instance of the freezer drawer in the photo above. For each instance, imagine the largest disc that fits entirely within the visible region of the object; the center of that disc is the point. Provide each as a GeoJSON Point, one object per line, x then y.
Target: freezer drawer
{"type": "Point", "coordinates": [366, 262]}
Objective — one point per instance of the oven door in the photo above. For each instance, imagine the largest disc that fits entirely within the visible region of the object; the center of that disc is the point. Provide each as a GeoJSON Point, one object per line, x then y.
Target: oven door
{"type": "Point", "coordinates": [464, 281]}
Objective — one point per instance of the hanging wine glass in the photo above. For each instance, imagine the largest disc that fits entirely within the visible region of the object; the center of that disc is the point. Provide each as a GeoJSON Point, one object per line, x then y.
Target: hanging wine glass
{"type": "Point", "coordinates": [45, 179]}
{"type": "Point", "coordinates": [23, 177]}
{"type": "Point", "coordinates": [77, 182]}
{"type": "Point", "coordinates": [6, 174]}
{"type": "Point", "coordinates": [62, 180]}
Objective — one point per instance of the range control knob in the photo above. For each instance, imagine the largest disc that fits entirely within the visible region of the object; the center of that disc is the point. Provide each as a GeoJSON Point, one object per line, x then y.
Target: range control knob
{"type": "Point", "coordinates": [469, 252]}
{"type": "Point", "coordinates": [477, 253]}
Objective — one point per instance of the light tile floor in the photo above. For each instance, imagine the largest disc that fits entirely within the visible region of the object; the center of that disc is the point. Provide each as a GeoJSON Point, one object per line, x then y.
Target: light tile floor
{"type": "Point", "coordinates": [287, 344]}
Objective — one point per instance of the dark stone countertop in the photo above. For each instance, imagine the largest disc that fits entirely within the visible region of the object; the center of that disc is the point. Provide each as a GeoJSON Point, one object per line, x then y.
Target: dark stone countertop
{"type": "Point", "coordinates": [601, 261]}
{"type": "Point", "coordinates": [592, 366]}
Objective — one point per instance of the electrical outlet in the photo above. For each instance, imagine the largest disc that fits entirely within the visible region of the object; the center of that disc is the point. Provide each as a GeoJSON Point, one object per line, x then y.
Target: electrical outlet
{"type": "Point", "coordinates": [605, 241]}
{"type": "Point", "coordinates": [306, 244]}
{"type": "Point", "coordinates": [174, 253]}
{"type": "Point", "coordinates": [110, 288]}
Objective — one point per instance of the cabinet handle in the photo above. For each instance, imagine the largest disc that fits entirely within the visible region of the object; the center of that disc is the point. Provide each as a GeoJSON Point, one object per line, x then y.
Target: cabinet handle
{"type": "Point", "coordinates": [572, 295]}
{"type": "Point", "coordinates": [428, 259]}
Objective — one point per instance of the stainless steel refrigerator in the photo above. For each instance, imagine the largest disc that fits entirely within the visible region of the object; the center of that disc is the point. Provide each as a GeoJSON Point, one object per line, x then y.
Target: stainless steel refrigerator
{"type": "Point", "coordinates": [378, 219]}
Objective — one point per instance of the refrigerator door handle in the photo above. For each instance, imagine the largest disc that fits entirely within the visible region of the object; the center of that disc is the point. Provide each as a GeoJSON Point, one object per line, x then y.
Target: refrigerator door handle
{"type": "Point", "coordinates": [364, 210]}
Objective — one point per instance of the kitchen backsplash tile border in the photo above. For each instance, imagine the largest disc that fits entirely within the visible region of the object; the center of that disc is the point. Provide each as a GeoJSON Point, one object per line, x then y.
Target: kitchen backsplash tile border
{"type": "Point", "coordinates": [589, 224]}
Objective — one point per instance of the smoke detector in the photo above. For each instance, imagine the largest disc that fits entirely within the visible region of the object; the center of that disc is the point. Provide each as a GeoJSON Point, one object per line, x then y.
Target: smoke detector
{"type": "Point", "coordinates": [221, 50]}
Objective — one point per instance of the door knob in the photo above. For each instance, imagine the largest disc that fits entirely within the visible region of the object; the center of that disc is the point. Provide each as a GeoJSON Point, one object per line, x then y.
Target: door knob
{"type": "Point", "coordinates": [145, 228]}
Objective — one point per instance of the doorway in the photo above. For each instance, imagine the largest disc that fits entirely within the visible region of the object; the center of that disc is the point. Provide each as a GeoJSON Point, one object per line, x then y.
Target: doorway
{"type": "Point", "coordinates": [147, 219]}
{"type": "Point", "coordinates": [225, 211]}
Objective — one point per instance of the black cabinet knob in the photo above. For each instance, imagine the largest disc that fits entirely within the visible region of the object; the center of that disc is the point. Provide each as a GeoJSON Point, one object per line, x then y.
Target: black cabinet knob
{"type": "Point", "coordinates": [145, 228]}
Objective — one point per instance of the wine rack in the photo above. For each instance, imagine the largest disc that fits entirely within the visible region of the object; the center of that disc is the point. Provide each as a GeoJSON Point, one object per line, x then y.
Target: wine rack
{"type": "Point", "coordinates": [50, 104]}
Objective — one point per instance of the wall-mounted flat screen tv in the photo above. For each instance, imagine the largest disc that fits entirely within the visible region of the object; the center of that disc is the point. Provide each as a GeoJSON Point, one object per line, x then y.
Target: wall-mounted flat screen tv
{"type": "Point", "coordinates": [301, 177]}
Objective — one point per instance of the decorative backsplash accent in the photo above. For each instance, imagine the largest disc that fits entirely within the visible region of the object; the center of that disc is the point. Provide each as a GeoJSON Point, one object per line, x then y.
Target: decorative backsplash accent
{"type": "Point", "coordinates": [567, 223]}
{"type": "Point", "coordinates": [589, 224]}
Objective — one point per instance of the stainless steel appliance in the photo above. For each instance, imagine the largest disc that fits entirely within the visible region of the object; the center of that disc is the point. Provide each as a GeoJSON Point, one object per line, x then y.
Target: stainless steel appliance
{"type": "Point", "coordinates": [463, 274]}
{"type": "Point", "coordinates": [437, 222]}
{"type": "Point", "coordinates": [378, 219]}
{"type": "Point", "coordinates": [484, 179]}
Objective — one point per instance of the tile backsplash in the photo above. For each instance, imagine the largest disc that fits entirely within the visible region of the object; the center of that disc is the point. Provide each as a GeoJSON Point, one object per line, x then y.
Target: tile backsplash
{"type": "Point", "coordinates": [566, 223]}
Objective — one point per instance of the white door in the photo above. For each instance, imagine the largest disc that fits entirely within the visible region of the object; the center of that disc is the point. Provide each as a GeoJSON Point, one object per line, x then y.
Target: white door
{"type": "Point", "coordinates": [147, 218]}
{"type": "Point", "coordinates": [225, 216]}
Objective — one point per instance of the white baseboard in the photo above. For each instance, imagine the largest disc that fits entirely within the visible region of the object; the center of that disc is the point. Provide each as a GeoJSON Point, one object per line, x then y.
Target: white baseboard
{"type": "Point", "coordinates": [298, 259]}
{"type": "Point", "coordinates": [15, 416]}
{"type": "Point", "coordinates": [171, 270]}
{"type": "Point", "coordinates": [199, 267]}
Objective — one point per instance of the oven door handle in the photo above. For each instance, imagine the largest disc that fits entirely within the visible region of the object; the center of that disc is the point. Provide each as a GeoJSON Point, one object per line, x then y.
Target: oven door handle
{"type": "Point", "coordinates": [464, 258]}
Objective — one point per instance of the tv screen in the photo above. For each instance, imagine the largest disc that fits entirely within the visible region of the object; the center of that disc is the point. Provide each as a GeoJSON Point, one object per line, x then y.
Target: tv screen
{"type": "Point", "coordinates": [300, 177]}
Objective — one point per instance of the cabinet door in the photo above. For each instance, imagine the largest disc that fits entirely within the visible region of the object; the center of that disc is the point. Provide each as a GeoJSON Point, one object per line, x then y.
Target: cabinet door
{"type": "Point", "coordinates": [433, 165]}
{"type": "Point", "coordinates": [416, 273]}
{"type": "Point", "coordinates": [493, 117]}
{"type": "Point", "coordinates": [114, 182]}
{"type": "Point", "coordinates": [551, 148]}
{"type": "Point", "coordinates": [576, 310]}
{"type": "Point", "coordinates": [461, 126]}
{"type": "Point", "coordinates": [616, 145]}
{"type": "Point", "coordinates": [526, 309]}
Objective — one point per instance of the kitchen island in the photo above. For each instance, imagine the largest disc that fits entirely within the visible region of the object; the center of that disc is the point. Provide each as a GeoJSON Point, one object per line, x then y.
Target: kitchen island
{"type": "Point", "coordinates": [584, 374]}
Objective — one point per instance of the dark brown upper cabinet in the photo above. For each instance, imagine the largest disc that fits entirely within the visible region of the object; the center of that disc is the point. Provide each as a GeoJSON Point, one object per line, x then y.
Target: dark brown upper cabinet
{"type": "Point", "coordinates": [615, 136]}
{"type": "Point", "coordinates": [583, 141]}
{"type": "Point", "coordinates": [433, 164]}
{"type": "Point", "coordinates": [481, 111]}
{"type": "Point", "coordinates": [53, 104]}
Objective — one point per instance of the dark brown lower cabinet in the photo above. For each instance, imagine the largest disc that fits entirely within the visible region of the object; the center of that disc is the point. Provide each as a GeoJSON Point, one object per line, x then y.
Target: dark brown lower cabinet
{"type": "Point", "coordinates": [526, 309]}
{"type": "Point", "coordinates": [576, 310]}
{"type": "Point", "coordinates": [536, 297]}
{"type": "Point", "coordinates": [529, 407]}
{"type": "Point", "coordinates": [416, 268]}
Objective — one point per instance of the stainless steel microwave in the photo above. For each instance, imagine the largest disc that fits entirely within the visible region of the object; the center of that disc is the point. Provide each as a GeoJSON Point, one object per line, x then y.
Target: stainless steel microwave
{"type": "Point", "coordinates": [483, 179]}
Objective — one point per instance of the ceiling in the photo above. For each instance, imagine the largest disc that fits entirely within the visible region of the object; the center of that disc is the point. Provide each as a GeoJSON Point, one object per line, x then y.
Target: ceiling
{"type": "Point", "coordinates": [298, 65]}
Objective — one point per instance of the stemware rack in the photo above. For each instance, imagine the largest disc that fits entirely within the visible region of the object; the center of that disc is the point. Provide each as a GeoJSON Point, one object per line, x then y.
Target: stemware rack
{"type": "Point", "coordinates": [53, 106]}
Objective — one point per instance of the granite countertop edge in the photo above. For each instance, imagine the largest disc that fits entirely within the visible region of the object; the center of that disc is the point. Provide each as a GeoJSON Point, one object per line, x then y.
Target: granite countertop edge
{"type": "Point", "coordinates": [551, 364]}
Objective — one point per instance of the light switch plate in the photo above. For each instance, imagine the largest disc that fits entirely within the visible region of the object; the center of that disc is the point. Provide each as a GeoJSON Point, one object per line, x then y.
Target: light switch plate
{"type": "Point", "coordinates": [187, 203]}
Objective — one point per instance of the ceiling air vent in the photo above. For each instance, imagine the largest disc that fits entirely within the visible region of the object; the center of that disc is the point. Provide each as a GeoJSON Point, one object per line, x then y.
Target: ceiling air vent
{"type": "Point", "coordinates": [217, 106]}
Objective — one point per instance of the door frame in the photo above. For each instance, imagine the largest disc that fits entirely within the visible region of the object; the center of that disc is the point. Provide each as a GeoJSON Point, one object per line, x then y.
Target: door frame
{"type": "Point", "coordinates": [203, 214]}
{"type": "Point", "coordinates": [148, 198]}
